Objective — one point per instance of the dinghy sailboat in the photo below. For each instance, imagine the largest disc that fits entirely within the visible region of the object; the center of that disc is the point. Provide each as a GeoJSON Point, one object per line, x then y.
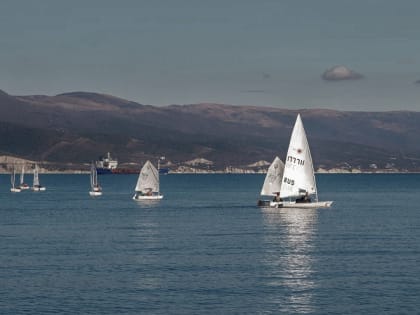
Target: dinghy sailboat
{"type": "Point", "coordinates": [272, 182]}
{"type": "Point", "coordinates": [298, 185]}
{"type": "Point", "coordinates": [23, 185]}
{"type": "Point", "coordinates": [12, 181]}
{"type": "Point", "coordinates": [147, 187]}
{"type": "Point", "coordinates": [36, 185]}
{"type": "Point", "coordinates": [95, 189]}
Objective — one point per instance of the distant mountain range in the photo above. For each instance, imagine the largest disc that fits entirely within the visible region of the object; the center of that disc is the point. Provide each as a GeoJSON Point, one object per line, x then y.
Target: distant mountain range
{"type": "Point", "coordinates": [78, 127]}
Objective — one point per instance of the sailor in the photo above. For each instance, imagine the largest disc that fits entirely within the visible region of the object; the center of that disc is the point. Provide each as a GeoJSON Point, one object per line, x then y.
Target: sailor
{"type": "Point", "coordinates": [277, 198]}
{"type": "Point", "coordinates": [304, 199]}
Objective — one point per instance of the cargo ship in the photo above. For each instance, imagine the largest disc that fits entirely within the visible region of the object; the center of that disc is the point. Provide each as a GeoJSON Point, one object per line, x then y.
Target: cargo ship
{"type": "Point", "coordinates": [106, 165]}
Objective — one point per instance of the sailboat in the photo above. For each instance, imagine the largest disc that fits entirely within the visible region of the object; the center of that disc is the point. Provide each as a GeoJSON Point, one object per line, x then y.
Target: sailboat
{"type": "Point", "coordinates": [272, 182]}
{"type": "Point", "coordinates": [147, 187]}
{"type": "Point", "coordinates": [95, 189]}
{"type": "Point", "coordinates": [23, 185]}
{"type": "Point", "coordinates": [12, 181]}
{"type": "Point", "coordinates": [298, 185]}
{"type": "Point", "coordinates": [36, 186]}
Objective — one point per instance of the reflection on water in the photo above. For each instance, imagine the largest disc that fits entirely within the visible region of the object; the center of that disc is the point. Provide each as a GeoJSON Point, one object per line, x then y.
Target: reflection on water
{"type": "Point", "coordinates": [145, 244]}
{"type": "Point", "coordinates": [289, 242]}
{"type": "Point", "coordinates": [147, 204]}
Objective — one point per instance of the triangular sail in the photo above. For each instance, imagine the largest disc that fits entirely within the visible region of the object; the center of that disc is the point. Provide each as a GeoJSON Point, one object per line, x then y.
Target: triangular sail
{"type": "Point", "coordinates": [272, 182]}
{"type": "Point", "coordinates": [22, 175]}
{"type": "Point", "coordinates": [36, 177]}
{"type": "Point", "coordinates": [298, 176]}
{"type": "Point", "coordinates": [93, 176]}
{"type": "Point", "coordinates": [148, 179]}
{"type": "Point", "coordinates": [12, 178]}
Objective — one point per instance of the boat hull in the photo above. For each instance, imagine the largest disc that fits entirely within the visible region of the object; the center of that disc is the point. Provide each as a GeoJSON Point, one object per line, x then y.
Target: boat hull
{"type": "Point", "coordinates": [15, 190]}
{"type": "Point", "coordinates": [38, 188]}
{"type": "Point", "coordinates": [158, 197]}
{"type": "Point", "coordinates": [103, 171]}
{"type": "Point", "coordinates": [301, 205]}
{"type": "Point", "coordinates": [163, 171]}
{"type": "Point", "coordinates": [95, 193]}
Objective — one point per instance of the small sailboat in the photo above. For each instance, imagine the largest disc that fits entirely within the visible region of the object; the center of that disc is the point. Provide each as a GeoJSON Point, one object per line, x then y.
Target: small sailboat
{"type": "Point", "coordinates": [95, 188]}
{"type": "Point", "coordinates": [12, 181]}
{"type": "Point", "coordinates": [23, 185]}
{"type": "Point", "coordinates": [272, 182]}
{"type": "Point", "coordinates": [298, 185]}
{"type": "Point", "coordinates": [147, 187]}
{"type": "Point", "coordinates": [36, 185]}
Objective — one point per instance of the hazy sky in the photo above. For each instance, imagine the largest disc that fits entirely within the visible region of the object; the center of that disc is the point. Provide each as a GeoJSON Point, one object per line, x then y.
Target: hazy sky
{"type": "Point", "coordinates": [245, 52]}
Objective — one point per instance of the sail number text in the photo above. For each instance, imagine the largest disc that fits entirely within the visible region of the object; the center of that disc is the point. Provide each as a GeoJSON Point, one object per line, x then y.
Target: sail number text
{"type": "Point", "coordinates": [295, 160]}
{"type": "Point", "coordinates": [289, 181]}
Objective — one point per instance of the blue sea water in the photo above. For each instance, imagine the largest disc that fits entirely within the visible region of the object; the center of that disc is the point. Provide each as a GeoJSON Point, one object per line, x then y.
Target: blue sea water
{"type": "Point", "coordinates": [207, 249]}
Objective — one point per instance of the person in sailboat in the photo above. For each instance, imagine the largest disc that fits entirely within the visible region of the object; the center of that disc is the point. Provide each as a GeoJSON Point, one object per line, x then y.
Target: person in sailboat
{"type": "Point", "coordinates": [277, 197]}
{"type": "Point", "coordinates": [304, 199]}
{"type": "Point", "coordinates": [146, 192]}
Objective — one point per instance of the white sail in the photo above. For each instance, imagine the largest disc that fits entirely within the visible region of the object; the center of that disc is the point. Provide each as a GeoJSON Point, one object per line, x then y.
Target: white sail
{"type": "Point", "coordinates": [95, 189]}
{"type": "Point", "coordinates": [12, 181]}
{"type": "Point", "coordinates": [12, 178]}
{"type": "Point", "coordinates": [36, 176]}
{"type": "Point", "coordinates": [22, 175]}
{"type": "Point", "coordinates": [148, 179]}
{"type": "Point", "coordinates": [298, 176]}
{"type": "Point", "coordinates": [93, 177]}
{"type": "Point", "coordinates": [272, 182]}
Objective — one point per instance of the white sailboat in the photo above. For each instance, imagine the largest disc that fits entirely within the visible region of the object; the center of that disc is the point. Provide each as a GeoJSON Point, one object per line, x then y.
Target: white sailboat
{"type": "Point", "coordinates": [95, 188]}
{"type": "Point", "coordinates": [272, 182]}
{"type": "Point", "coordinates": [12, 181]}
{"type": "Point", "coordinates": [23, 185]}
{"type": "Point", "coordinates": [36, 186]}
{"type": "Point", "coordinates": [147, 187]}
{"type": "Point", "coordinates": [298, 185]}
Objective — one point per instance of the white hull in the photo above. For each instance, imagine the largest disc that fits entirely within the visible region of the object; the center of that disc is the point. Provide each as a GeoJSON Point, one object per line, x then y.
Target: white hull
{"type": "Point", "coordinates": [158, 197]}
{"type": "Point", "coordinates": [24, 187]}
{"type": "Point", "coordinates": [15, 190]}
{"type": "Point", "coordinates": [38, 188]}
{"type": "Point", "coordinates": [301, 205]}
{"type": "Point", "coordinates": [95, 193]}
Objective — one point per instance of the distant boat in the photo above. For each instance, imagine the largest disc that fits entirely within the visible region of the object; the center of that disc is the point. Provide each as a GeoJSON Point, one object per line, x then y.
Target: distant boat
{"type": "Point", "coordinates": [272, 182]}
{"type": "Point", "coordinates": [147, 187]}
{"type": "Point", "coordinates": [12, 181]}
{"type": "Point", "coordinates": [23, 185]}
{"type": "Point", "coordinates": [162, 170]}
{"type": "Point", "coordinates": [298, 185]}
{"type": "Point", "coordinates": [36, 185]}
{"type": "Point", "coordinates": [95, 189]}
{"type": "Point", "coordinates": [106, 165]}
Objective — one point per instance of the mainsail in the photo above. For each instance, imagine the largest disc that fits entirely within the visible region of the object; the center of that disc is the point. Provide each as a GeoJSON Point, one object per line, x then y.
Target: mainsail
{"type": "Point", "coordinates": [148, 179]}
{"type": "Point", "coordinates": [298, 177]}
{"type": "Point", "coordinates": [22, 175]}
{"type": "Point", "coordinates": [273, 178]}
{"type": "Point", "coordinates": [93, 176]}
{"type": "Point", "coordinates": [36, 178]}
{"type": "Point", "coordinates": [13, 178]}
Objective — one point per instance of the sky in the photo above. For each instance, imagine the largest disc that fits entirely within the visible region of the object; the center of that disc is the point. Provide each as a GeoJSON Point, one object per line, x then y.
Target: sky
{"type": "Point", "coordinates": [240, 52]}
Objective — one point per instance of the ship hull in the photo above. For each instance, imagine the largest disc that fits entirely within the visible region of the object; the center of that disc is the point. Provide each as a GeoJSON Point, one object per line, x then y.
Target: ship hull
{"type": "Point", "coordinates": [103, 171]}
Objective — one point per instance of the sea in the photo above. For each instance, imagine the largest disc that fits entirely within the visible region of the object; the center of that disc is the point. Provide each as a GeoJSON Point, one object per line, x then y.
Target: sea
{"type": "Point", "coordinates": [206, 248]}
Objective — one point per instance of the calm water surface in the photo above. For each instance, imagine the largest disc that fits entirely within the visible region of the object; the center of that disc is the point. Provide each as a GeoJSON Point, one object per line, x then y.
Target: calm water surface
{"type": "Point", "coordinates": [207, 249]}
